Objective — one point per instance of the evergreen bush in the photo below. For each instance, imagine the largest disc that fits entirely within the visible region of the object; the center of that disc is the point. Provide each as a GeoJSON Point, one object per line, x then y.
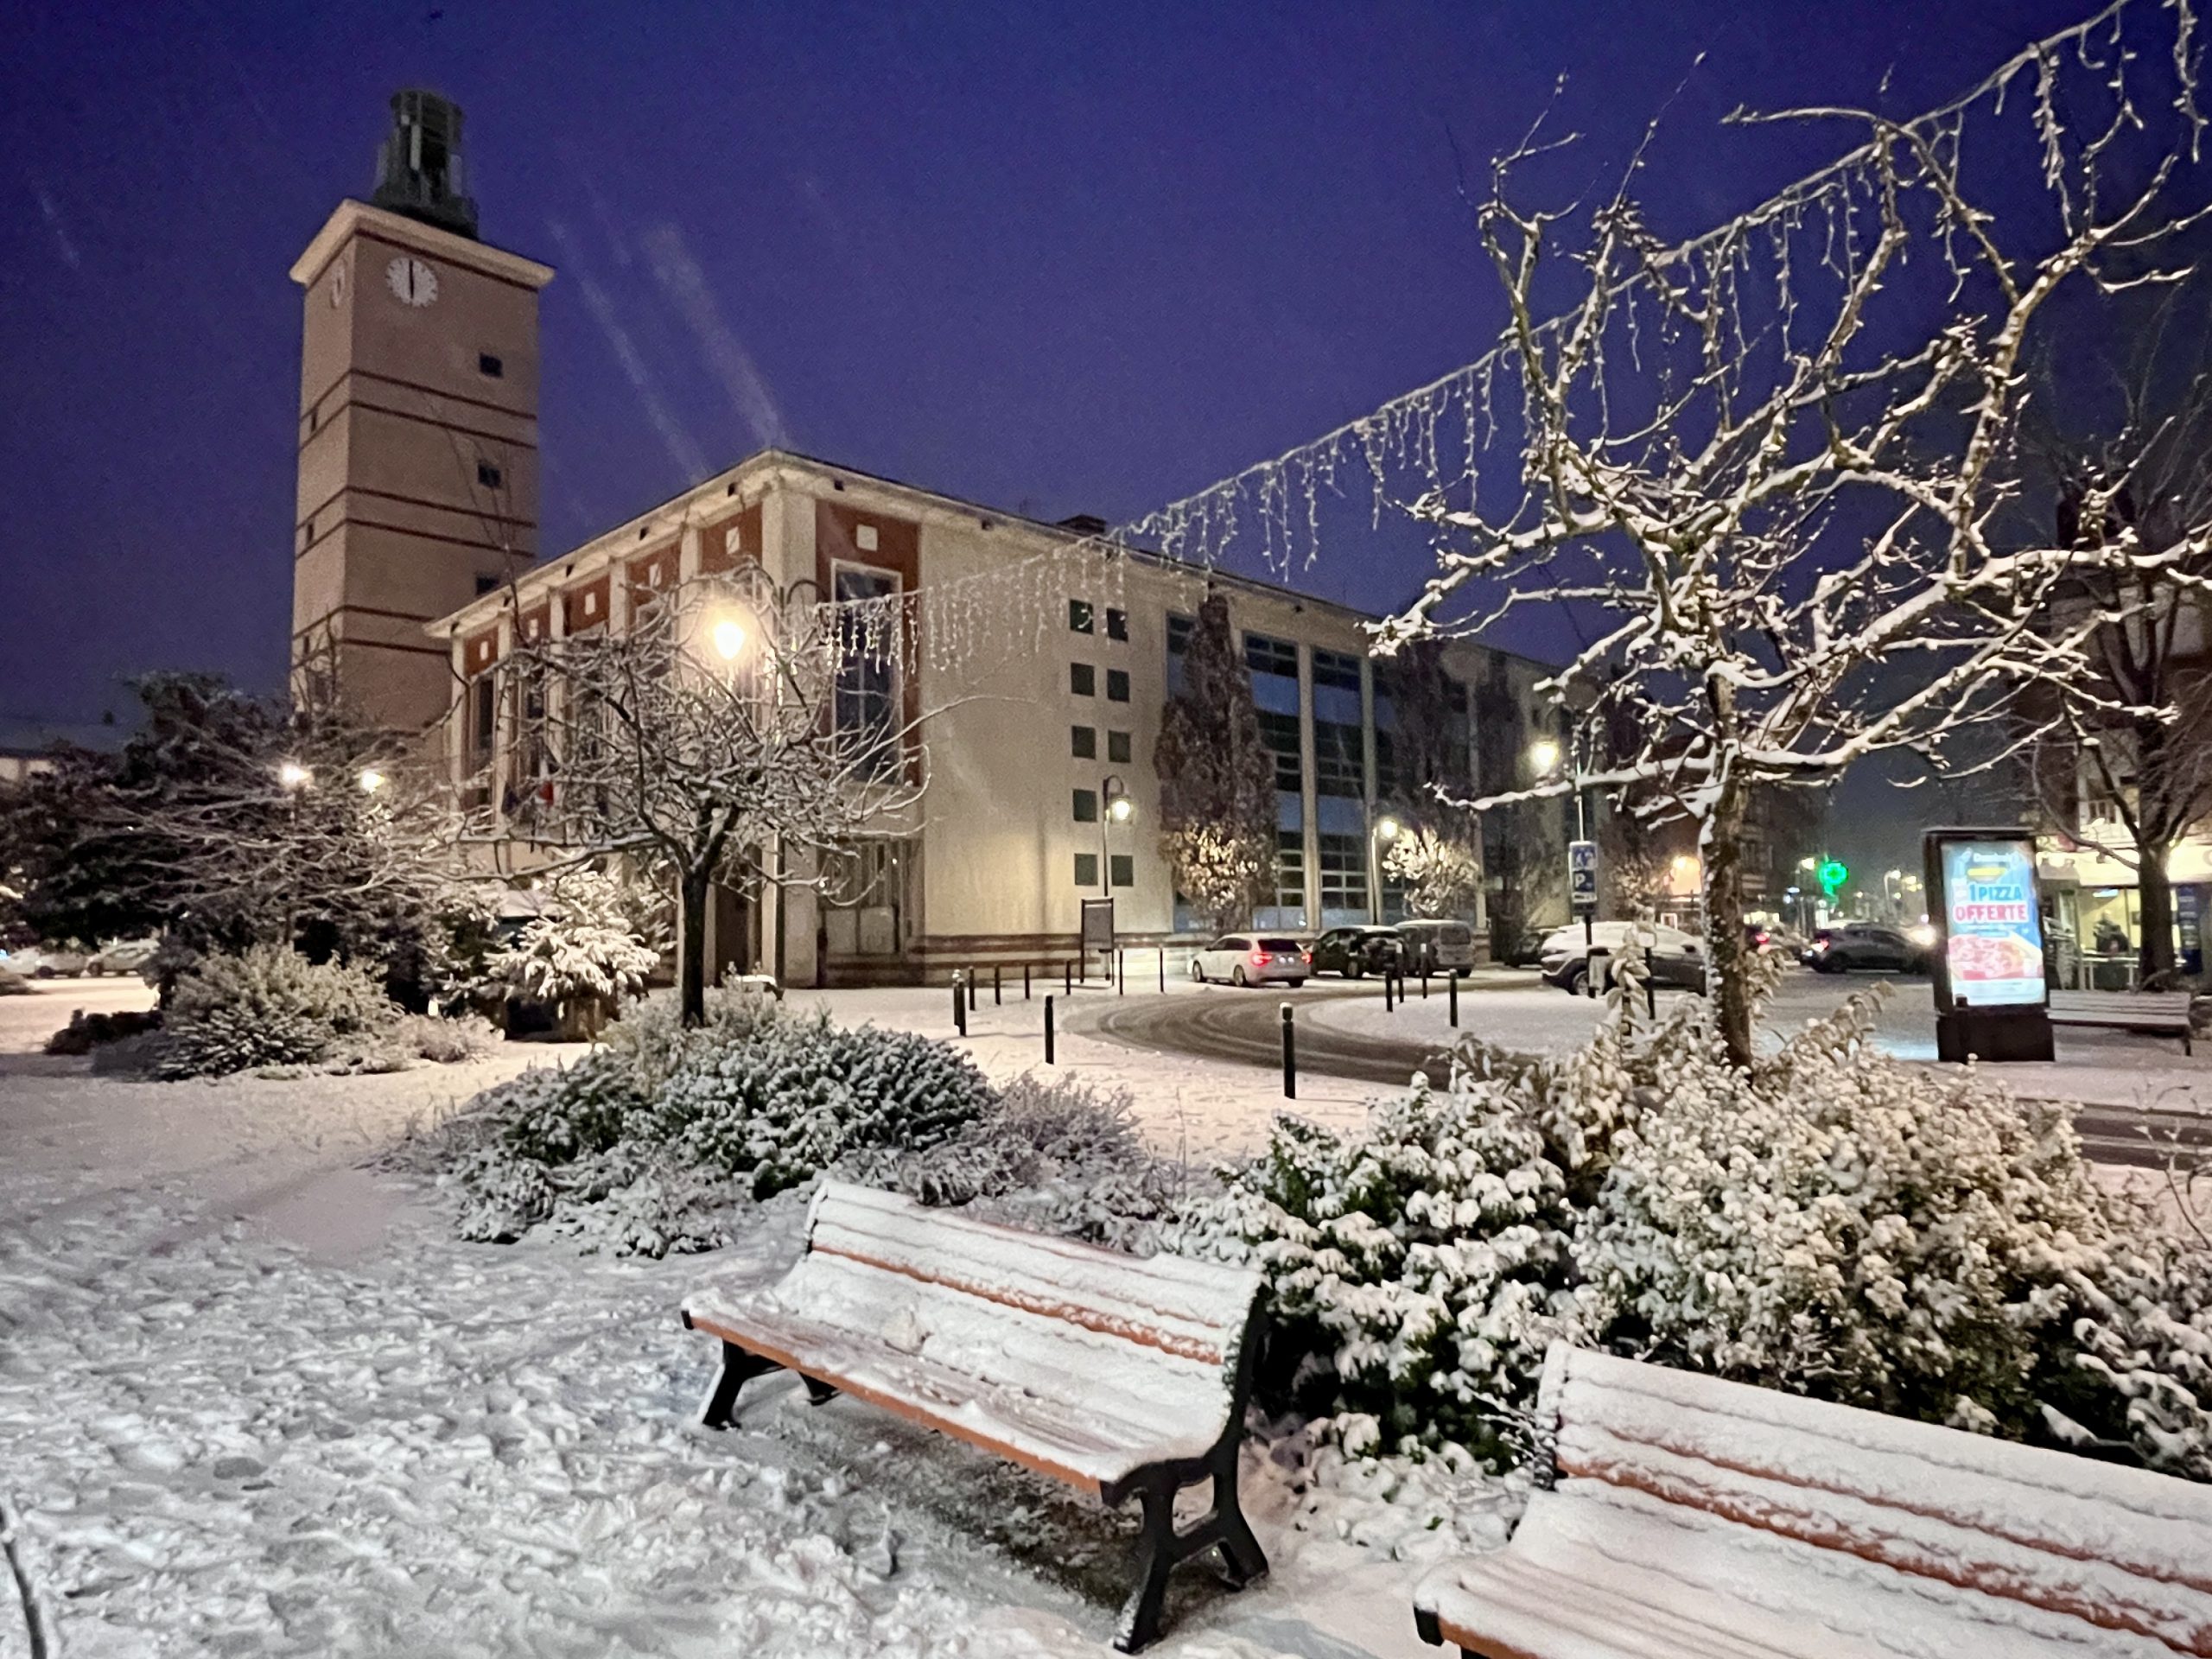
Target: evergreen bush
{"type": "Point", "coordinates": [266, 1005]}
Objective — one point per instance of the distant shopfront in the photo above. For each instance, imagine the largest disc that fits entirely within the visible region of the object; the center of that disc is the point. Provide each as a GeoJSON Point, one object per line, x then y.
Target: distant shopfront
{"type": "Point", "coordinates": [2094, 909]}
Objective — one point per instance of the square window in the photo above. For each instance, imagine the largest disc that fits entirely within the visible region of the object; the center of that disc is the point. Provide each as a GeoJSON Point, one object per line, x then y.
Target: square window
{"type": "Point", "coordinates": [487, 474]}
{"type": "Point", "coordinates": [1123, 869]}
{"type": "Point", "coordinates": [1117, 746]}
{"type": "Point", "coordinates": [490, 366]}
{"type": "Point", "coordinates": [864, 538]}
{"type": "Point", "coordinates": [1117, 685]}
{"type": "Point", "coordinates": [1079, 616]}
{"type": "Point", "coordinates": [1083, 679]}
{"type": "Point", "coordinates": [1117, 625]}
{"type": "Point", "coordinates": [1086, 806]}
{"type": "Point", "coordinates": [1086, 869]}
{"type": "Point", "coordinates": [1084, 742]}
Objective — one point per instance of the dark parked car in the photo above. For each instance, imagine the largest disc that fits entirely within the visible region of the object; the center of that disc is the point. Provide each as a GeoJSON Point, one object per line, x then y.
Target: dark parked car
{"type": "Point", "coordinates": [1356, 951]}
{"type": "Point", "coordinates": [1866, 946]}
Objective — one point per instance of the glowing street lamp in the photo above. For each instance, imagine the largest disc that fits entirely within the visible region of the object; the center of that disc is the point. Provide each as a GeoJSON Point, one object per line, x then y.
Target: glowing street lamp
{"type": "Point", "coordinates": [1543, 756]}
{"type": "Point", "coordinates": [292, 775]}
{"type": "Point", "coordinates": [1113, 794]}
{"type": "Point", "coordinates": [728, 635]}
{"type": "Point", "coordinates": [370, 780]}
{"type": "Point", "coordinates": [1387, 830]}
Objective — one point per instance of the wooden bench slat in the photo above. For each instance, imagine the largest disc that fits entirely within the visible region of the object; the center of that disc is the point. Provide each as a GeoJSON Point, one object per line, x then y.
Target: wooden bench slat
{"type": "Point", "coordinates": [1506, 1608]}
{"type": "Point", "coordinates": [1739, 1507]}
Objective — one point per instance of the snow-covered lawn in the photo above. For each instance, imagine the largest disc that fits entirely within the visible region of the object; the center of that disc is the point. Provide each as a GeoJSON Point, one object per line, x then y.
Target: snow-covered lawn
{"type": "Point", "coordinates": [254, 1398]}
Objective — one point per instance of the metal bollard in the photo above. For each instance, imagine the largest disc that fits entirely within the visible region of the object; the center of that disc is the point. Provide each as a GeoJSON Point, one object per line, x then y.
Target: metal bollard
{"type": "Point", "coordinates": [1389, 1006]}
{"type": "Point", "coordinates": [1163, 970]}
{"type": "Point", "coordinates": [1289, 1056]}
{"type": "Point", "coordinates": [971, 990]}
{"type": "Point", "coordinates": [1025, 982]}
{"type": "Point", "coordinates": [1424, 984]}
{"type": "Point", "coordinates": [1650, 992]}
{"type": "Point", "coordinates": [1452, 991]}
{"type": "Point", "coordinates": [1120, 972]}
{"type": "Point", "coordinates": [1048, 1030]}
{"type": "Point", "coordinates": [959, 1006]}
{"type": "Point", "coordinates": [996, 998]}
{"type": "Point", "coordinates": [1067, 979]}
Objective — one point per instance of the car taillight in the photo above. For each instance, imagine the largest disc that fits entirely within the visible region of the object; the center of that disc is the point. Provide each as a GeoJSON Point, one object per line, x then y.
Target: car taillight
{"type": "Point", "coordinates": [1259, 958]}
{"type": "Point", "coordinates": [1306, 956]}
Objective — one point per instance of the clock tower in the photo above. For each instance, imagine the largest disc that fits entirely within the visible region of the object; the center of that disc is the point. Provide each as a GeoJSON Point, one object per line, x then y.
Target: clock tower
{"type": "Point", "coordinates": [418, 424]}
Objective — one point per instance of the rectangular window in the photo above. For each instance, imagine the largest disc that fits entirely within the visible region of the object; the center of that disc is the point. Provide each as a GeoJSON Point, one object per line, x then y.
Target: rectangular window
{"type": "Point", "coordinates": [1083, 679]}
{"type": "Point", "coordinates": [868, 677]}
{"type": "Point", "coordinates": [1117, 748]}
{"type": "Point", "coordinates": [1180, 629]}
{"type": "Point", "coordinates": [1117, 685]}
{"type": "Point", "coordinates": [1123, 868]}
{"type": "Point", "coordinates": [1086, 869]}
{"type": "Point", "coordinates": [1266, 656]}
{"type": "Point", "coordinates": [1079, 616]}
{"type": "Point", "coordinates": [1117, 625]}
{"type": "Point", "coordinates": [489, 367]}
{"type": "Point", "coordinates": [487, 474]}
{"type": "Point", "coordinates": [1340, 760]}
{"type": "Point", "coordinates": [1334, 668]}
{"type": "Point", "coordinates": [1279, 734]}
{"type": "Point", "coordinates": [1343, 874]}
{"type": "Point", "coordinates": [1082, 743]}
{"type": "Point", "coordinates": [1290, 869]}
{"type": "Point", "coordinates": [1086, 806]}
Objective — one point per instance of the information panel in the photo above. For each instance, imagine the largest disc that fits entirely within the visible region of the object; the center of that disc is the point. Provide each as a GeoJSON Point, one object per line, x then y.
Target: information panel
{"type": "Point", "coordinates": [1993, 922]}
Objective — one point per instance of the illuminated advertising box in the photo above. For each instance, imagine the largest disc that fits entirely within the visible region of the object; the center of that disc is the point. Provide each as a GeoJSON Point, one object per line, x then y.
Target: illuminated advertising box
{"type": "Point", "coordinates": [1989, 921]}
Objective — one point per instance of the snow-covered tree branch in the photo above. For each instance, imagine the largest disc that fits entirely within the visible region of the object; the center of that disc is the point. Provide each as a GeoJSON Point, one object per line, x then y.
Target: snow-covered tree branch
{"type": "Point", "coordinates": [1776, 465]}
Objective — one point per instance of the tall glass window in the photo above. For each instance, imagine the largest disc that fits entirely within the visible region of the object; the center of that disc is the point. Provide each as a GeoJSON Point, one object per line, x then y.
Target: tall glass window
{"type": "Point", "coordinates": [868, 676]}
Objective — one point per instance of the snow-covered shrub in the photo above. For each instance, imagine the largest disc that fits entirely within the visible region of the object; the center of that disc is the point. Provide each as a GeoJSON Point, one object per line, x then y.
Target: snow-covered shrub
{"type": "Point", "coordinates": [1837, 1224]}
{"type": "Point", "coordinates": [1417, 1267]}
{"type": "Point", "coordinates": [1055, 1155]}
{"type": "Point", "coordinates": [581, 957]}
{"type": "Point", "coordinates": [13, 983]}
{"type": "Point", "coordinates": [651, 1032]}
{"type": "Point", "coordinates": [447, 1041]}
{"type": "Point", "coordinates": [2145, 1340]}
{"type": "Point", "coordinates": [267, 1006]}
{"type": "Point", "coordinates": [800, 1093]}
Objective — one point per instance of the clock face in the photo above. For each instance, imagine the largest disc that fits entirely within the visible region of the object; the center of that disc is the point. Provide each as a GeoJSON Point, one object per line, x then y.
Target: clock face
{"type": "Point", "coordinates": [413, 281]}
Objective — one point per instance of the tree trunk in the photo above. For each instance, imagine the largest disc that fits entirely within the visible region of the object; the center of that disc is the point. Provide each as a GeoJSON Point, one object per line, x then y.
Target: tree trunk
{"type": "Point", "coordinates": [693, 888]}
{"type": "Point", "coordinates": [1729, 970]}
{"type": "Point", "coordinates": [2156, 955]}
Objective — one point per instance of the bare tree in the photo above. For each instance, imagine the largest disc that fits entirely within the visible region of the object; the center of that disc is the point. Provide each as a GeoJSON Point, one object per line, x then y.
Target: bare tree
{"type": "Point", "coordinates": [732, 733]}
{"type": "Point", "coordinates": [2140, 727]}
{"type": "Point", "coordinates": [1774, 462]}
{"type": "Point", "coordinates": [1216, 776]}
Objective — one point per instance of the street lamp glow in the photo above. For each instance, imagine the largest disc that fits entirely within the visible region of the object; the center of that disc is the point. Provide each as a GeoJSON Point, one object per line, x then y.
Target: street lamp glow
{"type": "Point", "coordinates": [370, 780]}
{"type": "Point", "coordinates": [728, 636]}
{"type": "Point", "coordinates": [1388, 829]}
{"type": "Point", "coordinates": [1685, 866]}
{"type": "Point", "coordinates": [1543, 755]}
{"type": "Point", "coordinates": [293, 775]}
{"type": "Point", "coordinates": [1123, 808]}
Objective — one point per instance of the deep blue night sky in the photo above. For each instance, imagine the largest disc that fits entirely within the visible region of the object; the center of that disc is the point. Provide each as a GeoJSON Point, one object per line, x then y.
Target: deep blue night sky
{"type": "Point", "coordinates": [1058, 258]}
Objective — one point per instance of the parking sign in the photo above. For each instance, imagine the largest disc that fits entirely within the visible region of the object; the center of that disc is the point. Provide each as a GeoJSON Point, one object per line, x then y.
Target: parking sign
{"type": "Point", "coordinates": [1582, 876]}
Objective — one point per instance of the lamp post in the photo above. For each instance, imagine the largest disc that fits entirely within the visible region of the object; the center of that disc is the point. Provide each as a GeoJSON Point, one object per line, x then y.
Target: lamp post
{"type": "Point", "coordinates": [1115, 807]}
{"type": "Point", "coordinates": [1384, 831]}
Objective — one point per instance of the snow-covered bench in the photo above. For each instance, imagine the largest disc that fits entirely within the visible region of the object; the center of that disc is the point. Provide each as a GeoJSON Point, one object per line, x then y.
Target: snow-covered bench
{"type": "Point", "coordinates": [1690, 1518]}
{"type": "Point", "coordinates": [1121, 1375]}
{"type": "Point", "coordinates": [2162, 1012]}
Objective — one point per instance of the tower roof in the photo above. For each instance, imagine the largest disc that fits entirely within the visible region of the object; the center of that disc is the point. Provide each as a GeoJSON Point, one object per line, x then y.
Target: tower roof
{"type": "Point", "coordinates": [419, 171]}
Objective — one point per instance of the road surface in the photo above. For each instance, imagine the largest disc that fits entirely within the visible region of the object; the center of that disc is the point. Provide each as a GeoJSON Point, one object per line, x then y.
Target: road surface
{"type": "Point", "coordinates": [1245, 1028]}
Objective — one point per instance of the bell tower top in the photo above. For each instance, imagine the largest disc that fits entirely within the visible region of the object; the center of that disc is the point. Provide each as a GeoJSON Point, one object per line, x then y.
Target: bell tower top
{"type": "Point", "coordinates": [419, 171]}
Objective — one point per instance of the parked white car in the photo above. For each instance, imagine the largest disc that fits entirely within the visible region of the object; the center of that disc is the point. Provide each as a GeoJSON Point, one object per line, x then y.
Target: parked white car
{"type": "Point", "coordinates": [1437, 947]}
{"type": "Point", "coordinates": [123, 957]}
{"type": "Point", "coordinates": [44, 963]}
{"type": "Point", "coordinates": [1252, 959]}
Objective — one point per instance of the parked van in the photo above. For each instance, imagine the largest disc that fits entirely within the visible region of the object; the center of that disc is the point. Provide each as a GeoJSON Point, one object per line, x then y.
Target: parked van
{"type": "Point", "coordinates": [1437, 947]}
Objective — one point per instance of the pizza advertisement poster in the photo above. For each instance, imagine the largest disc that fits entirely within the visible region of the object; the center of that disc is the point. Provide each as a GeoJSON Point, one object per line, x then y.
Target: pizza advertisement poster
{"type": "Point", "coordinates": [1992, 924]}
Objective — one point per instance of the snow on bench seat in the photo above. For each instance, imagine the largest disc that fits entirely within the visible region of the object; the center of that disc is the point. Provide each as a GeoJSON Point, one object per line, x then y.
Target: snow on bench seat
{"type": "Point", "coordinates": [2152, 1011]}
{"type": "Point", "coordinates": [1696, 1516]}
{"type": "Point", "coordinates": [1120, 1375]}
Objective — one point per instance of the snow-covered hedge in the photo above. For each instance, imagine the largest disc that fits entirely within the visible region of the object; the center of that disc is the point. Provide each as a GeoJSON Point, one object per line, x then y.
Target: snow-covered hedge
{"type": "Point", "coordinates": [267, 1006]}
{"type": "Point", "coordinates": [581, 958]}
{"type": "Point", "coordinates": [1831, 1222]}
{"type": "Point", "coordinates": [650, 1143]}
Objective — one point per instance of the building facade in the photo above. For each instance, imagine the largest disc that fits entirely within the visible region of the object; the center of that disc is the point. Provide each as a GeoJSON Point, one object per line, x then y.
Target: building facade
{"type": "Point", "coordinates": [1045, 661]}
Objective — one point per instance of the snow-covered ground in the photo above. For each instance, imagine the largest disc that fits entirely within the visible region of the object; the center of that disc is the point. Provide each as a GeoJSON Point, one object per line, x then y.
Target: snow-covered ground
{"type": "Point", "coordinates": [254, 1398]}
{"type": "Point", "coordinates": [2114, 1068]}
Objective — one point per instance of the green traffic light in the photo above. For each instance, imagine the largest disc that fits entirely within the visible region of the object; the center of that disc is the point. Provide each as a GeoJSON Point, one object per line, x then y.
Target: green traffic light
{"type": "Point", "coordinates": [1833, 875]}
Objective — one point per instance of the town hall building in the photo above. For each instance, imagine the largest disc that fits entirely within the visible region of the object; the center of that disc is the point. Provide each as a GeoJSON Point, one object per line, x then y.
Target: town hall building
{"type": "Point", "coordinates": [1053, 651]}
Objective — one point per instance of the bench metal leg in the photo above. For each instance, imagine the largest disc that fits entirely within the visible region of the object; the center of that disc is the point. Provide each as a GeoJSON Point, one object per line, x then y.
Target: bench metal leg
{"type": "Point", "coordinates": [818, 1393]}
{"type": "Point", "coordinates": [739, 1367]}
{"type": "Point", "coordinates": [1161, 1549]}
